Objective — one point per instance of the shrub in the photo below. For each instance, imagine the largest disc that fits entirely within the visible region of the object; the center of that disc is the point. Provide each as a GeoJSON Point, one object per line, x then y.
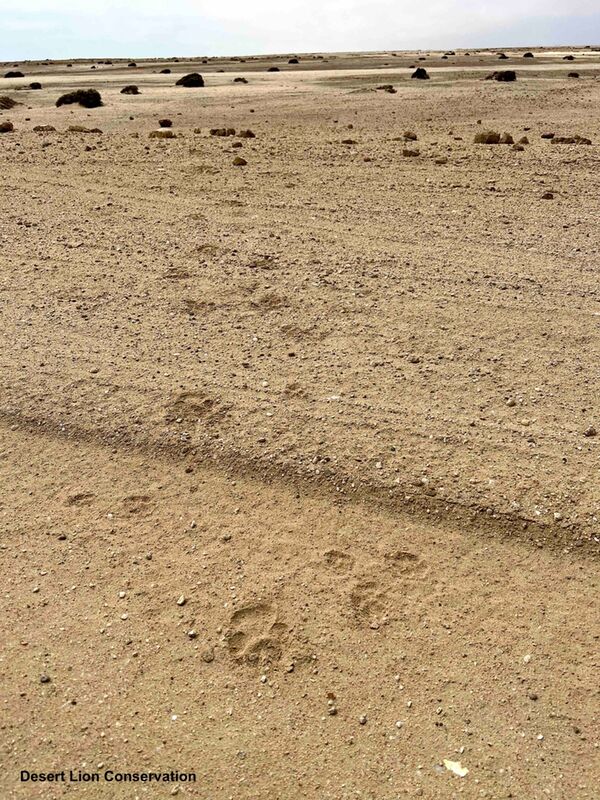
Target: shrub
{"type": "Point", "coordinates": [88, 98]}
{"type": "Point", "coordinates": [193, 80]}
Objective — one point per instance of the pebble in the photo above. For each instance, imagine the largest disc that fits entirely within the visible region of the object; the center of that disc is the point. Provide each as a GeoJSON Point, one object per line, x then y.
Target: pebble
{"type": "Point", "coordinates": [363, 719]}
{"type": "Point", "coordinates": [181, 601]}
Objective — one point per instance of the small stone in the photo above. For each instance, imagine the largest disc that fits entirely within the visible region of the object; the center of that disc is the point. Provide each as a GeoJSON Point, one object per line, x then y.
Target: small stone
{"type": "Point", "coordinates": [362, 719]}
{"type": "Point", "coordinates": [44, 679]}
{"type": "Point", "coordinates": [526, 659]}
{"type": "Point", "coordinates": [181, 601]}
{"type": "Point", "coordinates": [238, 161]}
{"type": "Point", "coordinates": [547, 196]}
{"type": "Point", "coordinates": [532, 696]}
{"type": "Point", "coordinates": [332, 711]}
{"type": "Point", "coordinates": [207, 655]}
{"type": "Point", "coordinates": [192, 634]}
{"type": "Point", "coordinates": [591, 431]}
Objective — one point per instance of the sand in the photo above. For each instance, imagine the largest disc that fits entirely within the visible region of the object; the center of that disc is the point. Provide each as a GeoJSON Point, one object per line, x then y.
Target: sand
{"type": "Point", "coordinates": [299, 459]}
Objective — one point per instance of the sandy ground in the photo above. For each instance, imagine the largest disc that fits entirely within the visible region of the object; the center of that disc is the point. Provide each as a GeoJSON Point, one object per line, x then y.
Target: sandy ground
{"type": "Point", "coordinates": [340, 403]}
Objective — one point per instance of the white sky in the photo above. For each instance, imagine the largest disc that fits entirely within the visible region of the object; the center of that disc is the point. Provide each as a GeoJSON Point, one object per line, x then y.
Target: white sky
{"type": "Point", "coordinates": [93, 28]}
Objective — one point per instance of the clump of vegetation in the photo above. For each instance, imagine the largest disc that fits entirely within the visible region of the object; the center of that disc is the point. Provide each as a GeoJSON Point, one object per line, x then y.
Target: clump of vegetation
{"type": "Point", "coordinates": [240, 80]}
{"type": "Point", "coordinates": [131, 89]}
{"type": "Point", "coordinates": [7, 103]}
{"type": "Point", "coordinates": [14, 73]}
{"type": "Point", "coordinates": [88, 98]}
{"type": "Point", "coordinates": [502, 75]}
{"type": "Point", "coordinates": [420, 74]}
{"type": "Point", "coordinates": [191, 81]}
{"type": "Point", "coordinates": [273, 69]}
{"type": "Point", "coordinates": [165, 123]}
{"type": "Point", "coordinates": [222, 131]}
{"type": "Point", "coordinates": [487, 137]}
{"type": "Point", "coordinates": [35, 85]}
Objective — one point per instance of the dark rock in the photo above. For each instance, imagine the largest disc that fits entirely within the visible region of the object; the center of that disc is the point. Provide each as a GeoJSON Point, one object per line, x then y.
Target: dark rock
{"type": "Point", "coordinates": [573, 75]}
{"type": "Point", "coordinates": [568, 58]}
{"type": "Point", "coordinates": [273, 69]}
{"type": "Point", "coordinates": [165, 123]}
{"type": "Point", "coordinates": [131, 89]}
{"type": "Point", "coordinates": [547, 196]}
{"type": "Point", "coordinates": [14, 73]}
{"type": "Point", "coordinates": [132, 64]}
{"type": "Point", "coordinates": [35, 85]}
{"type": "Point", "coordinates": [293, 61]}
{"type": "Point", "coordinates": [238, 161]}
{"type": "Point", "coordinates": [247, 134]}
{"type": "Point", "coordinates": [6, 127]}
{"type": "Point", "coordinates": [240, 80]}
{"type": "Point", "coordinates": [420, 74]}
{"type": "Point", "coordinates": [165, 71]}
{"type": "Point", "coordinates": [527, 55]}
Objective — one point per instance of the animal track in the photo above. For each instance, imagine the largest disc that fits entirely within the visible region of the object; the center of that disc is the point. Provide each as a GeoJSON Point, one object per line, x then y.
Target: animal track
{"type": "Point", "coordinates": [80, 499]}
{"type": "Point", "coordinates": [381, 585]}
{"type": "Point", "coordinates": [405, 564]}
{"type": "Point", "coordinates": [256, 635]}
{"type": "Point", "coordinates": [339, 562]}
{"type": "Point", "coordinates": [369, 602]}
{"type": "Point", "coordinates": [137, 504]}
{"type": "Point", "coordinates": [194, 406]}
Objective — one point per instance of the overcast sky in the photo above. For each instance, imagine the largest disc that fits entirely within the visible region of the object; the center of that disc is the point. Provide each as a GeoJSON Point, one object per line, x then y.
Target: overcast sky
{"type": "Point", "coordinates": [38, 29]}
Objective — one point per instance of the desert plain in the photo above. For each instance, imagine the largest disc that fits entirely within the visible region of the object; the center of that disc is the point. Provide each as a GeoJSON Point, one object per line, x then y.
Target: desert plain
{"type": "Point", "coordinates": [299, 457]}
